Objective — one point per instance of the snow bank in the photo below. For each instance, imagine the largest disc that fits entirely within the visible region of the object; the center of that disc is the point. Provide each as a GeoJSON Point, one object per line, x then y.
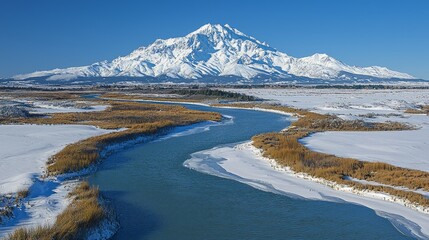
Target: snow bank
{"type": "Point", "coordinates": [244, 163]}
{"type": "Point", "coordinates": [24, 150]}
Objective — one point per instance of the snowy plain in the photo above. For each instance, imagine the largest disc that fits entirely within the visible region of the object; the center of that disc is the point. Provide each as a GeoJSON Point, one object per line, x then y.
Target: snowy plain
{"type": "Point", "coordinates": [408, 149]}
{"type": "Point", "coordinates": [401, 148]}
{"type": "Point", "coordinates": [24, 150]}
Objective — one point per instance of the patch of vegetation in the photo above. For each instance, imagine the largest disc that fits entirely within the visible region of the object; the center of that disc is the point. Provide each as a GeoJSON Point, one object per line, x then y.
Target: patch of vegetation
{"type": "Point", "coordinates": [420, 110]}
{"type": "Point", "coordinates": [6, 212]}
{"type": "Point", "coordinates": [84, 213]}
{"type": "Point", "coordinates": [215, 93]}
{"type": "Point", "coordinates": [22, 194]}
{"type": "Point", "coordinates": [13, 112]}
{"type": "Point", "coordinates": [183, 95]}
{"type": "Point", "coordinates": [9, 202]}
{"type": "Point", "coordinates": [42, 95]}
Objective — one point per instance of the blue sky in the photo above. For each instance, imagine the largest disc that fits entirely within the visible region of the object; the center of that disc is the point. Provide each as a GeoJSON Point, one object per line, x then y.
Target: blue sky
{"type": "Point", "coordinates": [46, 34]}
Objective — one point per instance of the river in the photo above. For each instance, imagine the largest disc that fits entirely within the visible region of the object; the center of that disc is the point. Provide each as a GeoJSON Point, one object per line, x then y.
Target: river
{"type": "Point", "coordinates": [156, 197]}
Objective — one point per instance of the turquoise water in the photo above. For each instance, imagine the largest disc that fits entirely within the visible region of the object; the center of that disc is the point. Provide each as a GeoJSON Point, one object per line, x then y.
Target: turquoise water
{"type": "Point", "coordinates": [155, 197]}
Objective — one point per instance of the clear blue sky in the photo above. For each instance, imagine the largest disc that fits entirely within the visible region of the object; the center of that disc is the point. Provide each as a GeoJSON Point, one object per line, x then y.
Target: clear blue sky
{"type": "Point", "coordinates": [46, 34]}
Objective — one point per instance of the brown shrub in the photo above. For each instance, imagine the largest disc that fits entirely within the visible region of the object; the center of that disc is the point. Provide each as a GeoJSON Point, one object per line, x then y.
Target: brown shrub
{"type": "Point", "coordinates": [420, 110]}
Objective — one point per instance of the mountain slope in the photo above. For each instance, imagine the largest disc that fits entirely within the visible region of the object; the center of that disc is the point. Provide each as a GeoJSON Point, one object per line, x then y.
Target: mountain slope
{"type": "Point", "coordinates": [216, 50]}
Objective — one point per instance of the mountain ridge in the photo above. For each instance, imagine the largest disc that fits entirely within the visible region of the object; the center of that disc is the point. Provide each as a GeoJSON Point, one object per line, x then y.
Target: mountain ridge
{"type": "Point", "coordinates": [217, 50]}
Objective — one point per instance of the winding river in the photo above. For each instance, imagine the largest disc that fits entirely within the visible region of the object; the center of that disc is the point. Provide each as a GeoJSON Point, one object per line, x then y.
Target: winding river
{"type": "Point", "coordinates": [156, 197]}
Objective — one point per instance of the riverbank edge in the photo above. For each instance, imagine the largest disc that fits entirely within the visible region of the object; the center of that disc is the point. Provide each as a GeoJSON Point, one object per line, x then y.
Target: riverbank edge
{"type": "Point", "coordinates": [332, 184]}
{"type": "Point", "coordinates": [110, 224]}
{"type": "Point", "coordinates": [339, 187]}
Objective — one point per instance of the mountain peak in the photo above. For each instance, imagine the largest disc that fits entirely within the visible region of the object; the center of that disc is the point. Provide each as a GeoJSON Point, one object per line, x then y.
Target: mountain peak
{"type": "Point", "coordinates": [227, 32]}
{"type": "Point", "coordinates": [320, 56]}
{"type": "Point", "coordinates": [210, 28]}
{"type": "Point", "coordinates": [217, 50]}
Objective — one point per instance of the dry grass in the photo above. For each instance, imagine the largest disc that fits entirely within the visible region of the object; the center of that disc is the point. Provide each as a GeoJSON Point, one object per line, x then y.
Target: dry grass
{"type": "Point", "coordinates": [6, 211]}
{"type": "Point", "coordinates": [124, 114]}
{"type": "Point", "coordinates": [42, 95]}
{"type": "Point", "coordinates": [420, 110]}
{"type": "Point", "coordinates": [286, 149]}
{"type": "Point", "coordinates": [10, 202]}
{"type": "Point", "coordinates": [82, 214]}
{"type": "Point", "coordinates": [138, 118]}
{"type": "Point", "coordinates": [22, 194]}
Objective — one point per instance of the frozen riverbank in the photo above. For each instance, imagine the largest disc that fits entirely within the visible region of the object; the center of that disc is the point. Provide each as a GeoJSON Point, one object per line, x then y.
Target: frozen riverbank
{"type": "Point", "coordinates": [24, 151]}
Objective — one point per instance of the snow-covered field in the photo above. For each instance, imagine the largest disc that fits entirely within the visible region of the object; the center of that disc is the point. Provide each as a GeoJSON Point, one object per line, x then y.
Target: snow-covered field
{"type": "Point", "coordinates": [52, 106]}
{"type": "Point", "coordinates": [401, 148]}
{"type": "Point", "coordinates": [244, 163]}
{"type": "Point", "coordinates": [24, 150]}
{"type": "Point", "coordinates": [344, 101]}
{"type": "Point", "coordinates": [408, 149]}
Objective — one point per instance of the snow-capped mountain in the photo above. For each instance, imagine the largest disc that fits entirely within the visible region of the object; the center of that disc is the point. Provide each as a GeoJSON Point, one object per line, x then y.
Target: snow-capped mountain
{"type": "Point", "coordinates": [216, 50]}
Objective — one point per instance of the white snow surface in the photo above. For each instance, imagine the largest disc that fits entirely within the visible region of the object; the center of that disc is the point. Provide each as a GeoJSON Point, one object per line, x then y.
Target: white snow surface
{"type": "Point", "coordinates": [408, 149]}
{"type": "Point", "coordinates": [216, 50]}
{"type": "Point", "coordinates": [344, 101]}
{"type": "Point", "coordinates": [244, 163]}
{"type": "Point", "coordinates": [400, 148]}
{"type": "Point", "coordinates": [47, 199]}
{"type": "Point", "coordinates": [24, 150]}
{"type": "Point", "coordinates": [43, 109]}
